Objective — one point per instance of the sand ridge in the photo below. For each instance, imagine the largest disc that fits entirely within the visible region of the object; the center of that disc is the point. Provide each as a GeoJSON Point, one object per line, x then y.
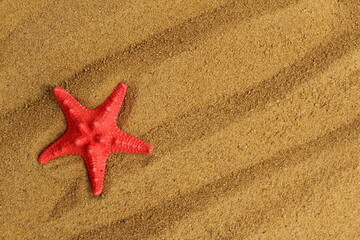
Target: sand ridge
{"type": "Point", "coordinates": [253, 109]}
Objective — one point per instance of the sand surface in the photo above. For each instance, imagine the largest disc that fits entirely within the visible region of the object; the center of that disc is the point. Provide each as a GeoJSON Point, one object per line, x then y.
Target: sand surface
{"type": "Point", "coordinates": [252, 106]}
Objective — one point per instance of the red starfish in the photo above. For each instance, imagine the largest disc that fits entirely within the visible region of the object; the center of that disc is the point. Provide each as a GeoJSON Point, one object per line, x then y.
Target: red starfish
{"type": "Point", "coordinates": [93, 134]}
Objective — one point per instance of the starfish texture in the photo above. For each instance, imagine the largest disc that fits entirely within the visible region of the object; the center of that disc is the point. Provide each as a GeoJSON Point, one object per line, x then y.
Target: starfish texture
{"type": "Point", "coordinates": [93, 134]}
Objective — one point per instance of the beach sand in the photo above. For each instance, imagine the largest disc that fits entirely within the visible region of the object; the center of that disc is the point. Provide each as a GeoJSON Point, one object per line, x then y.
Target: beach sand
{"type": "Point", "coordinates": [252, 107]}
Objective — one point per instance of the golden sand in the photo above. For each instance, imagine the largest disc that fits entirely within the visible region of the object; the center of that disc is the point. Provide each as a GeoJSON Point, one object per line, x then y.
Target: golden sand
{"type": "Point", "coordinates": [252, 106]}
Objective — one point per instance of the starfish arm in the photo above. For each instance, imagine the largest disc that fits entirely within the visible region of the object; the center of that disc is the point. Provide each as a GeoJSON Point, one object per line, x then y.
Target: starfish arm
{"type": "Point", "coordinates": [59, 148]}
{"type": "Point", "coordinates": [68, 103]}
{"type": "Point", "coordinates": [125, 142]}
{"type": "Point", "coordinates": [114, 102]}
{"type": "Point", "coordinates": [96, 166]}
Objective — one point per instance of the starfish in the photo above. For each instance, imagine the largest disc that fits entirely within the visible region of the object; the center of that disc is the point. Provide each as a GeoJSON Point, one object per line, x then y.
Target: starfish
{"type": "Point", "coordinates": [93, 134]}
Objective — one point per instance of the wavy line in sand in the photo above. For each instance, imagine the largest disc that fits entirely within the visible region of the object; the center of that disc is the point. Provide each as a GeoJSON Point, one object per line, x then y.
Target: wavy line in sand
{"type": "Point", "coordinates": [134, 60]}
{"type": "Point", "coordinates": [138, 58]}
{"type": "Point", "coordinates": [68, 201]}
{"type": "Point", "coordinates": [290, 198]}
{"type": "Point", "coordinates": [321, 57]}
{"type": "Point", "coordinates": [181, 130]}
{"type": "Point", "coordinates": [222, 114]}
{"type": "Point", "coordinates": [241, 103]}
{"type": "Point", "coordinates": [167, 213]}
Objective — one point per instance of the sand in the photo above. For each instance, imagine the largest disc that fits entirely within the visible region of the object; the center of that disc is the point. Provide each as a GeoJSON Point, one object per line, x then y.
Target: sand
{"type": "Point", "coordinates": [253, 109]}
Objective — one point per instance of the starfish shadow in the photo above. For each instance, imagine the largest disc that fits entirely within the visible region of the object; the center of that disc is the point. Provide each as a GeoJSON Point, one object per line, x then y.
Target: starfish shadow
{"type": "Point", "coordinates": [68, 202]}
